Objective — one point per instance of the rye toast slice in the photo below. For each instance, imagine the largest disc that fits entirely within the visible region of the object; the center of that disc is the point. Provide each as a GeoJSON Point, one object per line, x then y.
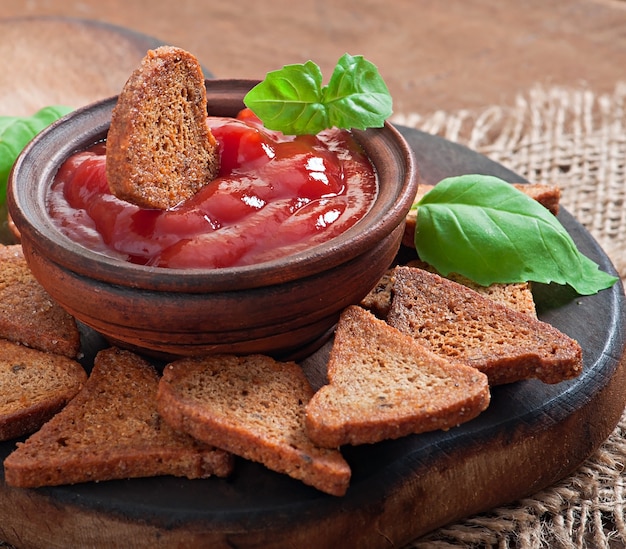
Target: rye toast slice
{"type": "Point", "coordinates": [517, 295]}
{"type": "Point", "coordinates": [384, 385]}
{"type": "Point", "coordinates": [28, 315]}
{"type": "Point", "coordinates": [111, 430]}
{"type": "Point", "coordinates": [251, 406]}
{"type": "Point", "coordinates": [160, 150]}
{"type": "Point", "coordinates": [463, 325]}
{"type": "Point", "coordinates": [34, 386]}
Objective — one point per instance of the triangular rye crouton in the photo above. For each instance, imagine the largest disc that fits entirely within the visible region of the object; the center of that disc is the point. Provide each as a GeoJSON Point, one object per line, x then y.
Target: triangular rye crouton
{"type": "Point", "coordinates": [383, 385]}
{"type": "Point", "coordinates": [518, 296]}
{"type": "Point", "coordinates": [111, 430]}
{"type": "Point", "coordinates": [28, 315]}
{"type": "Point", "coordinates": [160, 150]}
{"type": "Point", "coordinates": [252, 406]}
{"type": "Point", "coordinates": [34, 386]}
{"type": "Point", "coordinates": [463, 325]}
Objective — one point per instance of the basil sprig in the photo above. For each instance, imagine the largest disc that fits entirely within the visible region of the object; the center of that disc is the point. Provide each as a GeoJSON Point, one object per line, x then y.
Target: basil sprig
{"type": "Point", "coordinates": [487, 230]}
{"type": "Point", "coordinates": [16, 132]}
{"type": "Point", "coordinates": [294, 101]}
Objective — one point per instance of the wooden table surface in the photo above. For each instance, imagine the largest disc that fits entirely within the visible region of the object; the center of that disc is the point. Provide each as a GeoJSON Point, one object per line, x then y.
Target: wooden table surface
{"type": "Point", "coordinates": [434, 55]}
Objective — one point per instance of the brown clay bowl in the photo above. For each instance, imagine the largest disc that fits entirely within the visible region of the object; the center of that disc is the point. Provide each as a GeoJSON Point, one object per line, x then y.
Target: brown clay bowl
{"type": "Point", "coordinates": [278, 307]}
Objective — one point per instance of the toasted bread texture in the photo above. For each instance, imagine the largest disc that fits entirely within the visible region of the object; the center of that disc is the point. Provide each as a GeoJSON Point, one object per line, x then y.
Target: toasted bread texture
{"type": "Point", "coordinates": [518, 295]}
{"type": "Point", "coordinates": [378, 299]}
{"type": "Point", "coordinates": [28, 315]}
{"type": "Point", "coordinates": [160, 150]}
{"type": "Point", "coordinates": [34, 386]}
{"type": "Point", "coordinates": [384, 385]}
{"type": "Point", "coordinates": [252, 406]}
{"type": "Point", "coordinates": [461, 324]}
{"type": "Point", "coordinates": [548, 196]}
{"type": "Point", "coordinates": [111, 430]}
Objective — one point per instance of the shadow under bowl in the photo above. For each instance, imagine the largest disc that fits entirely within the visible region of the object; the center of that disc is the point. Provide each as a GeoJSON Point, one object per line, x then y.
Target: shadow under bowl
{"type": "Point", "coordinates": [280, 307]}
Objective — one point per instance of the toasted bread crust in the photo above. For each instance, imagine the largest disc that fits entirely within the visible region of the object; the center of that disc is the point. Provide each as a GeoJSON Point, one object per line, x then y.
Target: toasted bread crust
{"type": "Point", "coordinates": [459, 323]}
{"type": "Point", "coordinates": [111, 430]}
{"type": "Point", "coordinates": [35, 386]}
{"type": "Point", "coordinates": [378, 299]}
{"type": "Point", "coordinates": [383, 385]}
{"type": "Point", "coordinates": [160, 150]}
{"type": "Point", "coordinates": [253, 407]}
{"type": "Point", "coordinates": [28, 315]}
{"type": "Point", "coordinates": [517, 295]}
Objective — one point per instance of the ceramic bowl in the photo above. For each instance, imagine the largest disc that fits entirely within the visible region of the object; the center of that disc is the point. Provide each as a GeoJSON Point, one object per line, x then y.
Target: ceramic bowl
{"type": "Point", "coordinates": [280, 307]}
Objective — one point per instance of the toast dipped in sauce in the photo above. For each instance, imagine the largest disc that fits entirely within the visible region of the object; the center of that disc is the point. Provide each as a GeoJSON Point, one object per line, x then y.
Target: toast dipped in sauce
{"type": "Point", "coordinates": [160, 150]}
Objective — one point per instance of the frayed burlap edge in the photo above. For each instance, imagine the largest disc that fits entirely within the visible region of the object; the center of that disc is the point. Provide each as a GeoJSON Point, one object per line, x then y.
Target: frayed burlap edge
{"type": "Point", "coordinates": [575, 139]}
{"type": "Point", "coordinates": [568, 137]}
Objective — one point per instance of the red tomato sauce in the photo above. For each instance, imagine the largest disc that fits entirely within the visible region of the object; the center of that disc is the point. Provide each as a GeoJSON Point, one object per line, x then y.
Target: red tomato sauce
{"type": "Point", "coordinates": [275, 195]}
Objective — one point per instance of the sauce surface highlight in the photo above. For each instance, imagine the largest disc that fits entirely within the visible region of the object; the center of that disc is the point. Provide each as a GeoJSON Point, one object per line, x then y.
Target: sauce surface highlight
{"type": "Point", "coordinates": [275, 195]}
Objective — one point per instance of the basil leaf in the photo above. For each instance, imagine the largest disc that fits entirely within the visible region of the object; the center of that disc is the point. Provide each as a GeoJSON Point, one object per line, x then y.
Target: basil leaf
{"type": "Point", "coordinates": [489, 231]}
{"type": "Point", "coordinates": [16, 132]}
{"type": "Point", "coordinates": [292, 100]}
{"type": "Point", "coordinates": [356, 95]}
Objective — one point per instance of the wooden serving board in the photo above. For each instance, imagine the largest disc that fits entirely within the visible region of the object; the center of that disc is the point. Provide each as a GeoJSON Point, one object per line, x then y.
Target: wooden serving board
{"type": "Point", "coordinates": [530, 436]}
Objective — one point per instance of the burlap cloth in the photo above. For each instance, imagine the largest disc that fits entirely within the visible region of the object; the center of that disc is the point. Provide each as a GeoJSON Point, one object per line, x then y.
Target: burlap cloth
{"type": "Point", "coordinates": [577, 140]}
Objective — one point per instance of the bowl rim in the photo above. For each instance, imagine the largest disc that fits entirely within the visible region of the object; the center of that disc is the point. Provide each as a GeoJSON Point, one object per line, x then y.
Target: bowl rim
{"type": "Point", "coordinates": [42, 156]}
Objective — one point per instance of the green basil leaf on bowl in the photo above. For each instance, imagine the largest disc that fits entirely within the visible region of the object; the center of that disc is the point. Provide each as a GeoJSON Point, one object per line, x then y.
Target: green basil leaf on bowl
{"type": "Point", "coordinates": [294, 101]}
